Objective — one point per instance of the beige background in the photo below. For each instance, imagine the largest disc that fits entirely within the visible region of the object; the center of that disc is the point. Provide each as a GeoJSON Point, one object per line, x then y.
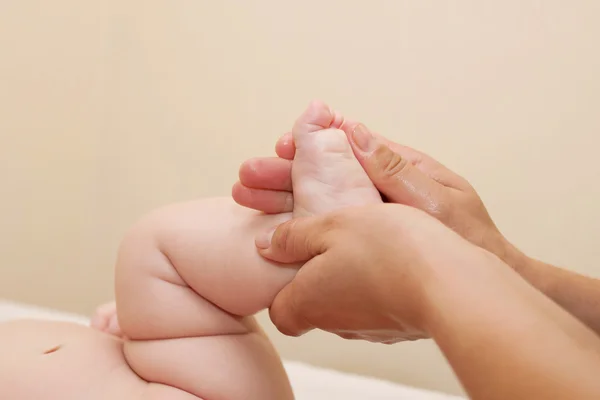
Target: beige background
{"type": "Point", "coordinates": [109, 109]}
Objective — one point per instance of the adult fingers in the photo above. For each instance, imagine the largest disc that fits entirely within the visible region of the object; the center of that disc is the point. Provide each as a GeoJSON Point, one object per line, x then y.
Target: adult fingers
{"type": "Point", "coordinates": [396, 177]}
{"type": "Point", "coordinates": [295, 241]}
{"type": "Point", "coordinates": [267, 201]}
{"type": "Point", "coordinates": [289, 310]}
{"type": "Point", "coordinates": [429, 166]}
{"type": "Point", "coordinates": [286, 149]}
{"type": "Point", "coordinates": [298, 240]}
{"type": "Point", "coordinates": [270, 173]}
{"type": "Point", "coordinates": [421, 161]}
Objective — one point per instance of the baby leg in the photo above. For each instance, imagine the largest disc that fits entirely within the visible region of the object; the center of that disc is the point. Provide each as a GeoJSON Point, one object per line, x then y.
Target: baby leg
{"type": "Point", "coordinates": [188, 279]}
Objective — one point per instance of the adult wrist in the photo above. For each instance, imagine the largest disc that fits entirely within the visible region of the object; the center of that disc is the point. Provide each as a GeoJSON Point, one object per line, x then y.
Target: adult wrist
{"type": "Point", "coordinates": [513, 257]}
{"type": "Point", "coordinates": [463, 289]}
{"type": "Point", "coordinates": [451, 278]}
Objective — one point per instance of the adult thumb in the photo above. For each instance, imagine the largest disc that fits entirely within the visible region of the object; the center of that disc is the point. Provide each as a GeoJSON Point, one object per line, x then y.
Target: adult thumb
{"type": "Point", "coordinates": [294, 241]}
{"type": "Point", "coordinates": [395, 177]}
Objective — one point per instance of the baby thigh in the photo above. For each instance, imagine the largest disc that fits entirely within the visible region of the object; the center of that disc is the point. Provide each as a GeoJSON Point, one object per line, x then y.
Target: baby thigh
{"type": "Point", "coordinates": [221, 367]}
{"type": "Point", "coordinates": [188, 280]}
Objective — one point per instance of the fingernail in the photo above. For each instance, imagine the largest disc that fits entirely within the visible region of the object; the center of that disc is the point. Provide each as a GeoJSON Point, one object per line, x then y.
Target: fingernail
{"type": "Point", "coordinates": [263, 240]}
{"type": "Point", "coordinates": [363, 138]}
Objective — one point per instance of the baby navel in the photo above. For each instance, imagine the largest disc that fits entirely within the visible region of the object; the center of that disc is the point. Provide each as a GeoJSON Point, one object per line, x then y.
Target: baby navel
{"type": "Point", "coordinates": [53, 349]}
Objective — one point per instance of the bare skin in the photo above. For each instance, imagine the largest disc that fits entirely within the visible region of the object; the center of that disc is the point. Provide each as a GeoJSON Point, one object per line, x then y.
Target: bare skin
{"type": "Point", "coordinates": [83, 363]}
{"type": "Point", "coordinates": [406, 176]}
{"type": "Point", "coordinates": [158, 278]}
{"type": "Point", "coordinates": [188, 280]}
{"type": "Point", "coordinates": [45, 360]}
{"type": "Point", "coordinates": [389, 273]}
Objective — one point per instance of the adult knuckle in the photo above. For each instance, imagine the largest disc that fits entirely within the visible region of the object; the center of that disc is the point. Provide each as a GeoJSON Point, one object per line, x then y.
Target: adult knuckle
{"type": "Point", "coordinates": [281, 323]}
{"type": "Point", "coordinates": [283, 238]}
{"type": "Point", "coordinates": [286, 237]}
{"type": "Point", "coordinates": [392, 164]}
{"type": "Point", "coordinates": [299, 311]}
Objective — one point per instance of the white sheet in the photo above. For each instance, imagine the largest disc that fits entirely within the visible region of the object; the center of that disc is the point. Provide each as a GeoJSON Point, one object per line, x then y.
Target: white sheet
{"type": "Point", "coordinates": [310, 383]}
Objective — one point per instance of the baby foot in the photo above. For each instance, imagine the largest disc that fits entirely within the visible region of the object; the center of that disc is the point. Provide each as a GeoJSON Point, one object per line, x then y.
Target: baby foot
{"type": "Point", "coordinates": [105, 320]}
{"type": "Point", "coordinates": [325, 173]}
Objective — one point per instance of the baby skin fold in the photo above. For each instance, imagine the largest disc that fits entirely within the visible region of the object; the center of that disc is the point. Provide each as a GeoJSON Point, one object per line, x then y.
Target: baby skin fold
{"type": "Point", "coordinates": [188, 282]}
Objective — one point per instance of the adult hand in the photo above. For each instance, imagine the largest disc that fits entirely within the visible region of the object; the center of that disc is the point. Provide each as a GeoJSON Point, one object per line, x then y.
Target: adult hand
{"type": "Point", "coordinates": [389, 273]}
{"type": "Point", "coordinates": [406, 176]}
{"type": "Point", "coordinates": [367, 271]}
{"type": "Point", "coordinates": [403, 175]}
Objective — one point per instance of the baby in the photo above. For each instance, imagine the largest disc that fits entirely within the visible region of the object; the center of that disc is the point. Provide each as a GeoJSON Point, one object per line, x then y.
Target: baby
{"type": "Point", "coordinates": [188, 281]}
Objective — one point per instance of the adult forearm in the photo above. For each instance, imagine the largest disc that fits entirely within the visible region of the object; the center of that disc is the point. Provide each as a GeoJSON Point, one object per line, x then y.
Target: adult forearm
{"type": "Point", "coordinates": [576, 293]}
{"type": "Point", "coordinates": [504, 339]}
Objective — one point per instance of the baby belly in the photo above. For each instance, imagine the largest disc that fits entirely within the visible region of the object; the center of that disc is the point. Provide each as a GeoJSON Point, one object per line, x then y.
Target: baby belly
{"type": "Point", "coordinates": [43, 360]}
